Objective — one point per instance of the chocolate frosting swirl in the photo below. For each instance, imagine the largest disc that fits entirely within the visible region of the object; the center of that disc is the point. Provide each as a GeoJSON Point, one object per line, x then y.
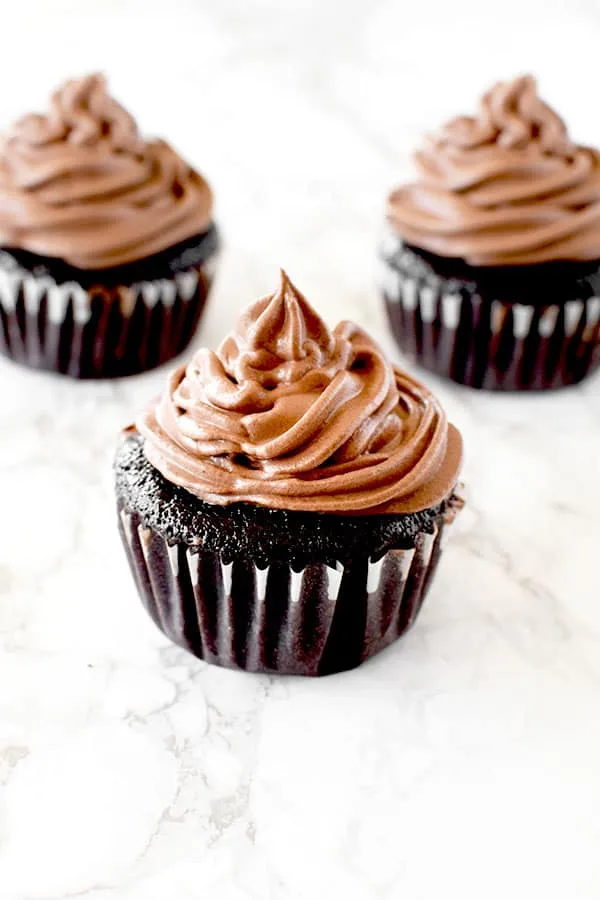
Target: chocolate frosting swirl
{"type": "Point", "coordinates": [507, 187]}
{"type": "Point", "coordinates": [290, 415]}
{"type": "Point", "coordinates": [81, 184]}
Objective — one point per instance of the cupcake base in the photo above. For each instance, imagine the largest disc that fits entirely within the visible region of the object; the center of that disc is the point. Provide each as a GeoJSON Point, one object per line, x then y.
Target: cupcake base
{"type": "Point", "coordinates": [268, 590]}
{"type": "Point", "coordinates": [512, 328]}
{"type": "Point", "coordinates": [103, 324]}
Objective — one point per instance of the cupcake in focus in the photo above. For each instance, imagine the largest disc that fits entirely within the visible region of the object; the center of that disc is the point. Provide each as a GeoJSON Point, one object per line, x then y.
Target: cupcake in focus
{"type": "Point", "coordinates": [491, 267]}
{"type": "Point", "coordinates": [282, 504]}
{"type": "Point", "coordinates": [107, 244]}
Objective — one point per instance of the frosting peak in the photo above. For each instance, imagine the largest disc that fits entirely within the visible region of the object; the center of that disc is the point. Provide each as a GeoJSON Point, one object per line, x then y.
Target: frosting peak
{"type": "Point", "coordinates": [81, 184]}
{"type": "Point", "coordinates": [81, 113]}
{"type": "Point", "coordinates": [290, 415]}
{"type": "Point", "coordinates": [280, 338]}
{"type": "Point", "coordinates": [506, 187]}
{"type": "Point", "coordinates": [512, 116]}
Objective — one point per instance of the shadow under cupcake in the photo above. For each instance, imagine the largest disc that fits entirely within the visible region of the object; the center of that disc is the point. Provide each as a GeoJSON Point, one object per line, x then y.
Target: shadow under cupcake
{"type": "Point", "coordinates": [491, 268]}
{"type": "Point", "coordinates": [283, 504]}
{"type": "Point", "coordinates": [107, 245]}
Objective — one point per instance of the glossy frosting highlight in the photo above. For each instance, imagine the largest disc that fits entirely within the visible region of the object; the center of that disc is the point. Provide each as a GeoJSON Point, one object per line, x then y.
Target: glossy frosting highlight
{"type": "Point", "coordinates": [82, 185]}
{"type": "Point", "coordinates": [506, 187]}
{"type": "Point", "coordinates": [290, 415]}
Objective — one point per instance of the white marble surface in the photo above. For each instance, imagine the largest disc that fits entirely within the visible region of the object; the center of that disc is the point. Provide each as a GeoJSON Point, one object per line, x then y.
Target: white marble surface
{"type": "Point", "coordinates": [465, 761]}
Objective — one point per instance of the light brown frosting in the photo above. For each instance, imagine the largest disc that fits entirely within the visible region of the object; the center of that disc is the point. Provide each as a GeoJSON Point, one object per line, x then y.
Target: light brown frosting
{"type": "Point", "coordinates": [81, 184]}
{"type": "Point", "coordinates": [290, 415]}
{"type": "Point", "coordinates": [507, 187]}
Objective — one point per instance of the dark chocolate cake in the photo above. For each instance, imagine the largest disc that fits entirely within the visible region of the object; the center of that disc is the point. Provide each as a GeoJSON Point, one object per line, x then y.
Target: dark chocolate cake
{"type": "Point", "coordinates": [282, 504]}
{"type": "Point", "coordinates": [491, 271]}
{"type": "Point", "coordinates": [108, 246]}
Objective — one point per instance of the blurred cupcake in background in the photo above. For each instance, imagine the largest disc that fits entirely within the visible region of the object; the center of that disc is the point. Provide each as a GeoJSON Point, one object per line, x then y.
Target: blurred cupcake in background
{"type": "Point", "coordinates": [282, 504]}
{"type": "Point", "coordinates": [107, 240]}
{"type": "Point", "coordinates": [492, 261]}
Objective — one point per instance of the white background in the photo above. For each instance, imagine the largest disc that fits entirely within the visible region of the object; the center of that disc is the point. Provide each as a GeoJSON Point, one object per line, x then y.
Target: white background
{"type": "Point", "coordinates": [463, 762]}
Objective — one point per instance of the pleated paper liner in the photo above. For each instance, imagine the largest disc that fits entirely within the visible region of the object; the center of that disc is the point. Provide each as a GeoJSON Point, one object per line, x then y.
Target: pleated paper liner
{"type": "Point", "coordinates": [316, 620]}
{"type": "Point", "coordinates": [100, 331]}
{"type": "Point", "coordinates": [456, 332]}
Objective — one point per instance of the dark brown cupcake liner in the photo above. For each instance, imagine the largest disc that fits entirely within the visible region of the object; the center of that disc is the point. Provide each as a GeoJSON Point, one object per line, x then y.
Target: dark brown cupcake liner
{"type": "Point", "coordinates": [99, 331]}
{"type": "Point", "coordinates": [314, 621]}
{"type": "Point", "coordinates": [494, 344]}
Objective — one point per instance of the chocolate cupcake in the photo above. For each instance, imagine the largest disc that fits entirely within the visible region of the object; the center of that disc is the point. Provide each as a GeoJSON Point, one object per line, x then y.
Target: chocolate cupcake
{"type": "Point", "coordinates": [492, 262]}
{"type": "Point", "coordinates": [107, 245]}
{"type": "Point", "coordinates": [282, 505]}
